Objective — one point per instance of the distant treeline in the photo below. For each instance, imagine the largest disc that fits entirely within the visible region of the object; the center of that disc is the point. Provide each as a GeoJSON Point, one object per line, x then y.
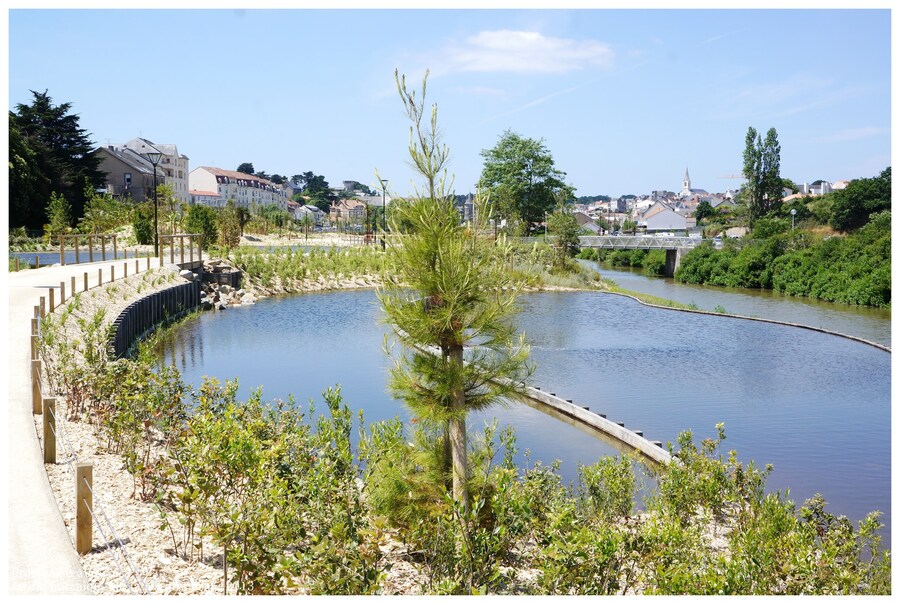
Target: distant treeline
{"type": "Point", "coordinates": [855, 269]}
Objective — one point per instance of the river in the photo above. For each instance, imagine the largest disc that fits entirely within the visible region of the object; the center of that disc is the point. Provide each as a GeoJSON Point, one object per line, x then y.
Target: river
{"type": "Point", "coordinates": [872, 324]}
{"type": "Point", "coordinates": [815, 406]}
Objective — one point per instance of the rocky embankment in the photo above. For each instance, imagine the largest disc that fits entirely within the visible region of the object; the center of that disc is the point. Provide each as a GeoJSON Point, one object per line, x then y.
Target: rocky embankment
{"type": "Point", "coordinates": [215, 295]}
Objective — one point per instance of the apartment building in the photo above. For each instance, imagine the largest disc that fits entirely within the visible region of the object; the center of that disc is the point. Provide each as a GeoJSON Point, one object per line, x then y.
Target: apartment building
{"type": "Point", "coordinates": [173, 164]}
{"type": "Point", "coordinates": [128, 174]}
{"type": "Point", "coordinates": [246, 190]}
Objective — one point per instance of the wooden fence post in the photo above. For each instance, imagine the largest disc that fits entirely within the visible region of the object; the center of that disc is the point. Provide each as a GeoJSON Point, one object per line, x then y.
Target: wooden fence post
{"type": "Point", "coordinates": [52, 303]}
{"type": "Point", "coordinates": [99, 277]}
{"type": "Point", "coordinates": [84, 503]}
{"type": "Point", "coordinates": [112, 273]}
{"type": "Point", "coordinates": [43, 307]}
{"type": "Point", "coordinates": [62, 292]}
{"type": "Point", "coordinates": [125, 268]}
{"type": "Point", "coordinates": [36, 387]}
{"type": "Point", "coordinates": [73, 285]}
{"type": "Point", "coordinates": [62, 251]}
{"type": "Point", "coordinates": [34, 339]}
{"type": "Point", "coordinates": [49, 430]}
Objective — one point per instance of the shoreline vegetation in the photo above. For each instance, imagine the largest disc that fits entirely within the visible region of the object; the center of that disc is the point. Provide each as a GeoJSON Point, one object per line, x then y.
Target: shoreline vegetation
{"type": "Point", "coordinates": [270, 497]}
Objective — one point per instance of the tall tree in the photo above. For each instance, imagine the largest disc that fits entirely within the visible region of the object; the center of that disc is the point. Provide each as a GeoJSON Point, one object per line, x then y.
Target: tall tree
{"type": "Point", "coordinates": [762, 192]}
{"type": "Point", "coordinates": [520, 175]}
{"type": "Point", "coordinates": [565, 235]}
{"type": "Point", "coordinates": [246, 168]}
{"type": "Point", "coordinates": [28, 186]}
{"type": "Point", "coordinates": [63, 153]}
{"type": "Point", "coordinates": [448, 290]}
{"type": "Point", "coordinates": [851, 207]}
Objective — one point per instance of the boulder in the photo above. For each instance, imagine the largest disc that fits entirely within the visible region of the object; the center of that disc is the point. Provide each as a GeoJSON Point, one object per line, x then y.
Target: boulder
{"type": "Point", "coordinates": [186, 274]}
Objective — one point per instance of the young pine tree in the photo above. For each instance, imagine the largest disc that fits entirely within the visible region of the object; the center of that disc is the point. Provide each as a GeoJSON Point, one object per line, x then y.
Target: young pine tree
{"type": "Point", "coordinates": [449, 298]}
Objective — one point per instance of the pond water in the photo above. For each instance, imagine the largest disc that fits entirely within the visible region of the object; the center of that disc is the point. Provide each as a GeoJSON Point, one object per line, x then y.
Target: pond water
{"type": "Point", "coordinates": [815, 406]}
{"type": "Point", "coordinates": [873, 324]}
{"type": "Point", "coordinates": [84, 255]}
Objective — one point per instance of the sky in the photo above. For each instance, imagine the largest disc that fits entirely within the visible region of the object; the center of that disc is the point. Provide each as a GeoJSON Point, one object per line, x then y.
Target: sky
{"type": "Point", "coordinates": [624, 100]}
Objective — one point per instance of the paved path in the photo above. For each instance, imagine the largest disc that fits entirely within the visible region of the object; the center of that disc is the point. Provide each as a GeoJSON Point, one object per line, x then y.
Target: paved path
{"type": "Point", "coordinates": [41, 556]}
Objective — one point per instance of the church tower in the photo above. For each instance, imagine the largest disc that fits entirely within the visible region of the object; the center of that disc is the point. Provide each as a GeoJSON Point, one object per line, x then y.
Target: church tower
{"type": "Point", "coordinates": [686, 184]}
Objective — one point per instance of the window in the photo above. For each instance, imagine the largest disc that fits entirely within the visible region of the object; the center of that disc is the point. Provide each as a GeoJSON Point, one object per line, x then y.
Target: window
{"type": "Point", "coordinates": [127, 180]}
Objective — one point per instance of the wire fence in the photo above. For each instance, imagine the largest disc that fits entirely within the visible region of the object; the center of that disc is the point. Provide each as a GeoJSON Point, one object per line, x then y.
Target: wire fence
{"type": "Point", "coordinates": [58, 450]}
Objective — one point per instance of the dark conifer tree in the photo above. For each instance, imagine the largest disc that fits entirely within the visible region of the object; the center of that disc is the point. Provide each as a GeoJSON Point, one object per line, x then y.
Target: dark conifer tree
{"type": "Point", "coordinates": [64, 155]}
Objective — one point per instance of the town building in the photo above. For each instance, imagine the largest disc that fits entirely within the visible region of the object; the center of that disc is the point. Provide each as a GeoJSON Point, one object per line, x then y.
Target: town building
{"type": "Point", "coordinates": [686, 190]}
{"type": "Point", "coordinates": [128, 174]}
{"type": "Point", "coordinates": [206, 198]}
{"type": "Point", "coordinates": [246, 190]}
{"type": "Point", "coordinates": [348, 210]}
{"type": "Point", "coordinates": [174, 165]}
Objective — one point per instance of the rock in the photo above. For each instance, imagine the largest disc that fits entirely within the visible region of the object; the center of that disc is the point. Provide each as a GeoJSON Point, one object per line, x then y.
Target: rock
{"type": "Point", "coordinates": [224, 289]}
{"type": "Point", "coordinates": [214, 262]}
{"type": "Point", "coordinates": [186, 274]}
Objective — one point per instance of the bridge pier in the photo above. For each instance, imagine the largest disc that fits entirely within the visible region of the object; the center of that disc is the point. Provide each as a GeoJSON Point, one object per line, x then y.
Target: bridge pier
{"type": "Point", "coordinates": [673, 260]}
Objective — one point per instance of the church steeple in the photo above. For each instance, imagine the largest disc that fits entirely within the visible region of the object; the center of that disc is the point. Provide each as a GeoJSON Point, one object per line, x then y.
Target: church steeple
{"type": "Point", "coordinates": [686, 184]}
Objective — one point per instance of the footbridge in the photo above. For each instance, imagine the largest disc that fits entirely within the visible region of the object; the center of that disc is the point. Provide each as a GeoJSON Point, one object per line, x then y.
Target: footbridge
{"type": "Point", "coordinates": [675, 247]}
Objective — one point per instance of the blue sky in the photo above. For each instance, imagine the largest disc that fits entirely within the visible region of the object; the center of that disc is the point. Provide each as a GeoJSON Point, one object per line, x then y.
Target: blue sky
{"type": "Point", "coordinates": [624, 100]}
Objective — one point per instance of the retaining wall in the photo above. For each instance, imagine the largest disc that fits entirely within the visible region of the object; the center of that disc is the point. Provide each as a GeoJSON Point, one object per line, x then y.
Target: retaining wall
{"type": "Point", "coordinates": [143, 315]}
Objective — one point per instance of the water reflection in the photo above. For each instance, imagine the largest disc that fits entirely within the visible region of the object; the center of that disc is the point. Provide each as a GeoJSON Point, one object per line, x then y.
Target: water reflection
{"type": "Point", "coordinates": [869, 323]}
{"type": "Point", "coordinates": [816, 406]}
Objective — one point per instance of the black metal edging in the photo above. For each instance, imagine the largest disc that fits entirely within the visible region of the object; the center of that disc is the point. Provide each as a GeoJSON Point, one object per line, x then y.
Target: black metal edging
{"type": "Point", "coordinates": [143, 316]}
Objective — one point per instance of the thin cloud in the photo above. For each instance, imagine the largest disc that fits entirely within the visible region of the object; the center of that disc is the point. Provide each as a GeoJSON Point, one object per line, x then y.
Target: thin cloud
{"type": "Point", "coordinates": [481, 91]}
{"type": "Point", "coordinates": [526, 52]}
{"type": "Point", "coordinates": [720, 36]}
{"type": "Point", "coordinates": [534, 103]}
{"type": "Point", "coordinates": [782, 98]}
{"type": "Point", "coordinates": [853, 134]}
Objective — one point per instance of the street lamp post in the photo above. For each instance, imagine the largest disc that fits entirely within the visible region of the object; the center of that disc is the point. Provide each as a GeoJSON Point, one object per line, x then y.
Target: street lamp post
{"type": "Point", "coordinates": [793, 213]}
{"type": "Point", "coordinates": [153, 157]}
{"type": "Point", "coordinates": [383, 212]}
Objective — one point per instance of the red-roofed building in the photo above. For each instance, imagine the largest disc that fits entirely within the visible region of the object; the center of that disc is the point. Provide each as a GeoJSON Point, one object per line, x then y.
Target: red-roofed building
{"type": "Point", "coordinates": [247, 190]}
{"type": "Point", "coordinates": [207, 198]}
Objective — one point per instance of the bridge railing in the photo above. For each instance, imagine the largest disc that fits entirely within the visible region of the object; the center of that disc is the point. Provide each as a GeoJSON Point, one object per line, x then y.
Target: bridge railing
{"type": "Point", "coordinates": [626, 242]}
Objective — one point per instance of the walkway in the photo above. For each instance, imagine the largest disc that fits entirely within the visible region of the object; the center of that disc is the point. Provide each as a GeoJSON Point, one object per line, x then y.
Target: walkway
{"type": "Point", "coordinates": [41, 555]}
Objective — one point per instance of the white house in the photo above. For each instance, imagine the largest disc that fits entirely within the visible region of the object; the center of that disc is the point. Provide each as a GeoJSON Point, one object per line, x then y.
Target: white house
{"type": "Point", "coordinates": [206, 198]}
{"type": "Point", "coordinates": [246, 190]}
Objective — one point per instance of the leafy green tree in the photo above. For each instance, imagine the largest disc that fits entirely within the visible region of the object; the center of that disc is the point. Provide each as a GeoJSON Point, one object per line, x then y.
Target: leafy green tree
{"type": "Point", "coordinates": [565, 231]}
{"type": "Point", "coordinates": [762, 192]}
{"type": "Point", "coordinates": [521, 178]}
{"type": "Point", "coordinates": [59, 213]}
{"type": "Point", "coordinates": [851, 207]}
{"type": "Point", "coordinates": [704, 210]}
{"type": "Point", "coordinates": [229, 226]}
{"type": "Point", "coordinates": [246, 168]}
{"type": "Point", "coordinates": [28, 185]}
{"type": "Point", "coordinates": [63, 153]}
{"type": "Point", "coordinates": [142, 223]}
{"type": "Point", "coordinates": [102, 213]}
{"type": "Point", "coordinates": [243, 216]}
{"type": "Point", "coordinates": [202, 220]}
{"type": "Point", "coordinates": [448, 289]}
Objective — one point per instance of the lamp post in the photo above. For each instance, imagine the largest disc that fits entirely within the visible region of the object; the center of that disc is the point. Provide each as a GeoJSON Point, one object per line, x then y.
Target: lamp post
{"type": "Point", "coordinates": [153, 157]}
{"type": "Point", "coordinates": [793, 213]}
{"type": "Point", "coordinates": [383, 212]}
